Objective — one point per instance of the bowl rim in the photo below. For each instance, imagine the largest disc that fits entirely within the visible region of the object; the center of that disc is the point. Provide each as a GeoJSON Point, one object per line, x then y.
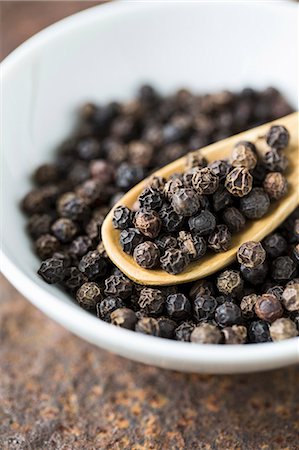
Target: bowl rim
{"type": "Point", "coordinates": [125, 342]}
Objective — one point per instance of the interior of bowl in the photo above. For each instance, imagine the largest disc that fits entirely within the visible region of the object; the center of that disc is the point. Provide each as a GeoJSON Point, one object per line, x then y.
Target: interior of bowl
{"type": "Point", "coordinates": [104, 54]}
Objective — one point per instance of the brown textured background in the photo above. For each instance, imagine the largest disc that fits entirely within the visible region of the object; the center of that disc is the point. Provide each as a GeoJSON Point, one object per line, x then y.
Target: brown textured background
{"type": "Point", "coordinates": [58, 392]}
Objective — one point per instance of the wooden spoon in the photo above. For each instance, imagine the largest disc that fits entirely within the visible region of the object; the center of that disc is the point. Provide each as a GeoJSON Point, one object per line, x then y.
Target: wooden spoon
{"type": "Point", "coordinates": [255, 231]}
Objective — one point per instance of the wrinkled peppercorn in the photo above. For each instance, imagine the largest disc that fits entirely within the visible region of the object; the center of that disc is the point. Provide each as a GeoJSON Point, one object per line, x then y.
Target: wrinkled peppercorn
{"type": "Point", "coordinates": [52, 270]}
{"type": "Point", "coordinates": [275, 161]}
{"type": "Point", "coordinates": [166, 327]}
{"type": "Point", "coordinates": [228, 314]}
{"type": "Point", "coordinates": [107, 306]}
{"type": "Point", "coordinates": [239, 182]}
{"type": "Point", "coordinates": [220, 168]}
{"type": "Point", "coordinates": [204, 307]}
{"type": "Point", "coordinates": [256, 204]}
{"type": "Point", "coordinates": [237, 334]}
{"type": "Point", "coordinates": [221, 199]}
{"type": "Point", "coordinates": [283, 329]}
{"type": "Point", "coordinates": [193, 245]}
{"type": "Point", "coordinates": [203, 224]}
{"type": "Point", "coordinates": [178, 307]}
{"type": "Point", "coordinates": [275, 245]}
{"type": "Point", "coordinates": [147, 255]}
{"type": "Point", "coordinates": [118, 286]}
{"type": "Point", "coordinates": [255, 276]}
{"type": "Point", "coordinates": [166, 241]}
{"type": "Point", "coordinates": [244, 155]}
{"type": "Point", "coordinates": [148, 222]}
{"type": "Point", "coordinates": [205, 181]}
{"type": "Point", "coordinates": [234, 219]}
{"type": "Point", "coordinates": [124, 318]}
{"type": "Point", "coordinates": [220, 239]}
{"type": "Point", "coordinates": [93, 265]}
{"type": "Point", "coordinates": [151, 301]}
{"type": "Point", "coordinates": [247, 305]}
{"type": "Point", "coordinates": [148, 325]}
{"type": "Point", "coordinates": [259, 332]}
{"type": "Point", "coordinates": [80, 246]}
{"type": "Point", "coordinates": [268, 308]}
{"type": "Point", "coordinates": [290, 297]}
{"type": "Point", "coordinates": [122, 217]}
{"type": "Point", "coordinates": [275, 185]}
{"type": "Point", "coordinates": [64, 230]}
{"type": "Point", "coordinates": [171, 221]}
{"type": "Point", "coordinates": [74, 279]}
{"type": "Point", "coordinates": [230, 282]}
{"type": "Point", "coordinates": [278, 137]}
{"type": "Point", "coordinates": [183, 331]}
{"type": "Point", "coordinates": [88, 295]}
{"type": "Point", "coordinates": [46, 245]}
{"type": "Point", "coordinates": [206, 333]}
{"type": "Point", "coordinates": [195, 159]}
{"type": "Point", "coordinates": [150, 199]}
{"type": "Point", "coordinates": [283, 268]}
{"type": "Point", "coordinates": [251, 254]}
{"type": "Point", "coordinates": [185, 202]}
{"type": "Point", "coordinates": [174, 261]}
{"type": "Point", "coordinates": [129, 239]}
{"type": "Point", "coordinates": [72, 207]}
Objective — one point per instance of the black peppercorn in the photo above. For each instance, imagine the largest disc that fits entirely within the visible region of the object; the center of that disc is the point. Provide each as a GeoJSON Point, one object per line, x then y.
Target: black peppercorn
{"type": "Point", "coordinates": [148, 325]}
{"type": "Point", "coordinates": [122, 217]}
{"type": "Point", "coordinates": [259, 332]}
{"type": "Point", "coordinates": [228, 314]}
{"type": "Point", "coordinates": [255, 276]}
{"type": "Point", "coordinates": [278, 137]}
{"type": "Point", "coordinates": [151, 301]}
{"type": "Point", "coordinates": [239, 182]}
{"type": "Point", "coordinates": [205, 181]}
{"type": "Point", "coordinates": [166, 327]}
{"type": "Point", "coordinates": [202, 224]}
{"type": "Point", "coordinates": [290, 297]}
{"type": "Point", "coordinates": [221, 199]}
{"type": "Point", "coordinates": [93, 265]}
{"type": "Point", "coordinates": [102, 171]}
{"type": "Point", "coordinates": [220, 168]}
{"type": "Point", "coordinates": [127, 175]}
{"type": "Point", "coordinates": [202, 287]}
{"type": "Point", "coordinates": [129, 239]}
{"type": "Point", "coordinates": [183, 331]}
{"type": "Point", "coordinates": [220, 239]}
{"type": "Point", "coordinates": [148, 222]}
{"type": "Point", "coordinates": [64, 230]}
{"type": "Point", "coordinates": [118, 286]}
{"type": "Point", "coordinates": [256, 204]}
{"type": "Point", "coordinates": [204, 307]}
{"type": "Point", "coordinates": [283, 268]}
{"type": "Point", "coordinates": [251, 254]}
{"type": "Point", "coordinates": [276, 185]}
{"type": "Point", "coordinates": [206, 333]}
{"type": "Point", "coordinates": [174, 261]}
{"type": "Point", "coordinates": [268, 308]}
{"type": "Point", "coordinates": [171, 221]}
{"type": "Point", "coordinates": [234, 219]}
{"type": "Point", "coordinates": [166, 241]}
{"type": "Point", "coordinates": [275, 245]}
{"type": "Point", "coordinates": [73, 279]}
{"type": "Point", "coordinates": [193, 245]}
{"type": "Point", "coordinates": [247, 305]}
{"type": "Point", "coordinates": [178, 307]}
{"type": "Point", "coordinates": [237, 334]}
{"type": "Point", "coordinates": [195, 159]}
{"type": "Point", "coordinates": [150, 199]}
{"type": "Point", "coordinates": [230, 282]}
{"type": "Point", "coordinates": [72, 207]}
{"type": "Point", "coordinates": [88, 295]}
{"type": "Point", "coordinates": [80, 246]}
{"type": "Point", "coordinates": [107, 306]}
{"type": "Point", "coordinates": [275, 161]}
{"type": "Point", "coordinates": [147, 255]}
{"type": "Point", "coordinates": [283, 328]}
{"type": "Point", "coordinates": [52, 270]}
{"type": "Point", "coordinates": [124, 318]}
{"type": "Point", "coordinates": [46, 245]}
{"type": "Point", "coordinates": [244, 155]}
{"type": "Point", "coordinates": [39, 224]}
{"type": "Point", "coordinates": [185, 202]}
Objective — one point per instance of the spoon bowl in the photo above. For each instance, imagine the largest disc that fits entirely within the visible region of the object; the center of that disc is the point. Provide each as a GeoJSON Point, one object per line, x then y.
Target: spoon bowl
{"type": "Point", "coordinates": [254, 231]}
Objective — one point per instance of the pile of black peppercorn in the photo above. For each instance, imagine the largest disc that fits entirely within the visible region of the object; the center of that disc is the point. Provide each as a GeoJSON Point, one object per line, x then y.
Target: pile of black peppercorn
{"type": "Point", "coordinates": [115, 146]}
{"type": "Point", "coordinates": [175, 221]}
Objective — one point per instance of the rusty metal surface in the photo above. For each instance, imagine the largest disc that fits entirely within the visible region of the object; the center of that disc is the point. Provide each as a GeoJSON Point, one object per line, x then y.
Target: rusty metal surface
{"type": "Point", "coordinates": [59, 392]}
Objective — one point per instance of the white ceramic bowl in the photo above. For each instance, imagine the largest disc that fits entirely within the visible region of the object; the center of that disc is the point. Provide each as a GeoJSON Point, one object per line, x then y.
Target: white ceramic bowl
{"type": "Point", "coordinates": [105, 53]}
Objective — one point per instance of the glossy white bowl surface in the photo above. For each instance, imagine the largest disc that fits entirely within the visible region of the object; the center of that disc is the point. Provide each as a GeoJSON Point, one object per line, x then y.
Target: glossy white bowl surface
{"type": "Point", "coordinates": [105, 53]}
